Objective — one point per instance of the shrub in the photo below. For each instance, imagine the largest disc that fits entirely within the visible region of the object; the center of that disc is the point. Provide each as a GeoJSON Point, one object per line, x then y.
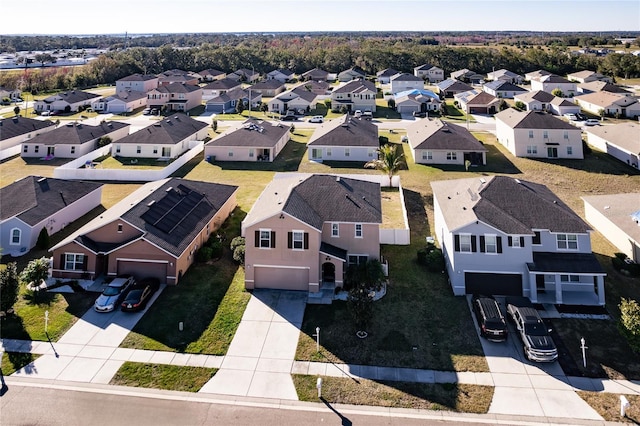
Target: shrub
{"type": "Point", "coordinates": [43, 239]}
{"type": "Point", "coordinates": [237, 241]}
{"type": "Point", "coordinates": [391, 103]}
{"type": "Point", "coordinates": [629, 324]}
{"type": "Point", "coordinates": [620, 256]}
{"type": "Point", "coordinates": [422, 256]}
{"type": "Point", "coordinates": [383, 140]}
{"type": "Point", "coordinates": [9, 287]}
{"type": "Point", "coordinates": [618, 263]}
{"type": "Point", "coordinates": [435, 260]}
{"type": "Point", "coordinates": [216, 249]}
{"type": "Point", "coordinates": [238, 254]}
{"type": "Point", "coordinates": [204, 254]}
{"type": "Point", "coordinates": [327, 103]}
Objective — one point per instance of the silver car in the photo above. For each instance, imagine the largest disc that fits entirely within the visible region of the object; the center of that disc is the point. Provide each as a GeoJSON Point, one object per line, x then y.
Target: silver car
{"type": "Point", "coordinates": [113, 294]}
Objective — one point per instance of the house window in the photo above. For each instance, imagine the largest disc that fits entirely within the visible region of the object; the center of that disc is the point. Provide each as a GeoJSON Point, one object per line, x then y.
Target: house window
{"type": "Point", "coordinates": [335, 230]}
{"type": "Point", "coordinates": [155, 149]}
{"type": "Point", "coordinates": [298, 240]}
{"type": "Point", "coordinates": [230, 153]}
{"type": "Point", "coordinates": [358, 259]}
{"type": "Point", "coordinates": [530, 134]}
{"type": "Point", "coordinates": [316, 153]}
{"type": "Point", "coordinates": [119, 228]}
{"type": "Point", "coordinates": [567, 241]}
{"type": "Point", "coordinates": [73, 262]}
{"type": "Point", "coordinates": [138, 149]}
{"type": "Point", "coordinates": [464, 243]}
{"type": "Point", "coordinates": [569, 150]}
{"type": "Point", "coordinates": [73, 149]}
{"type": "Point", "coordinates": [328, 152]}
{"type": "Point", "coordinates": [251, 153]}
{"type": "Point", "coordinates": [16, 236]}
{"type": "Point", "coordinates": [358, 230]}
{"type": "Point", "coordinates": [36, 149]}
{"type": "Point", "coordinates": [117, 149]}
{"type": "Point", "coordinates": [452, 156]}
{"type": "Point", "coordinates": [570, 278]}
{"type": "Point", "coordinates": [536, 238]}
{"type": "Point", "coordinates": [566, 135]}
{"type": "Point", "coordinates": [265, 238]}
{"type": "Point", "coordinates": [347, 152]}
{"type": "Point", "coordinates": [532, 149]}
{"type": "Point", "coordinates": [490, 244]}
{"type": "Point", "coordinates": [25, 148]}
{"type": "Point", "coordinates": [545, 134]}
{"type": "Point", "coordinates": [371, 153]}
{"type": "Point", "coordinates": [166, 152]}
{"type": "Point", "coordinates": [516, 242]}
{"type": "Point", "coordinates": [427, 155]}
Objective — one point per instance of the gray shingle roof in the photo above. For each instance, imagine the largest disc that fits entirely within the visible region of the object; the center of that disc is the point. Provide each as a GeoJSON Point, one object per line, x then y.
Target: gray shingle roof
{"type": "Point", "coordinates": [356, 86]}
{"type": "Point", "coordinates": [77, 133]}
{"type": "Point", "coordinates": [406, 77]}
{"type": "Point", "coordinates": [532, 120]}
{"type": "Point", "coordinates": [438, 135]}
{"type": "Point", "coordinates": [16, 126]}
{"type": "Point", "coordinates": [453, 85]}
{"type": "Point", "coordinates": [565, 262]}
{"type": "Point", "coordinates": [346, 131]}
{"type": "Point", "coordinates": [178, 88]}
{"type": "Point", "coordinates": [538, 95]}
{"type": "Point", "coordinates": [504, 86]}
{"type": "Point", "coordinates": [267, 84]}
{"type": "Point", "coordinates": [35, 198]}
{"type": "Point", "coordinates": [169, 131]}
{"type": "Point", "coordinates": [388, 72]}
{"type": "Point", "coordinates": [253, 133]}
{"type": "Point", "coordinates": [72, 97]}
{"type": "Point", "coordinates": [139, 77]}
{"type": "Point", "coordinates": [222, 84]}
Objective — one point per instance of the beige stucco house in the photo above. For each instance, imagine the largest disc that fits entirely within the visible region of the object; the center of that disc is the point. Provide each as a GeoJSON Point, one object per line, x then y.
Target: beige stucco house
{"type": "Point", "coordinates": [255, 140]}
{"type": "Point", "coordinates": [621, 141]}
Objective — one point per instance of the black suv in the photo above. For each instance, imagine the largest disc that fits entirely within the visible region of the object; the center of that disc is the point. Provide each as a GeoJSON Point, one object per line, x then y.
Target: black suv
{"type": "Point", "coordinates": [490, 320]}
{"type": "Point", "coordinates": [537, 343]}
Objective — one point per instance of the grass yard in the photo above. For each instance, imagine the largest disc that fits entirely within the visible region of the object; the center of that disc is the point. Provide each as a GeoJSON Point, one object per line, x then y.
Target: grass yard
{"type": "Point", "coordinates": [124, 163]}
{"type": "Point", "coordinates": [392, 217]}
{"type": "Point", "coordinates": [426, 396]}
{"type": "Point", "coordinates": [608, 406]}
{"type": "Point", "coordinates": [14, 361]}
{"type": "Point", "coordinates": [159, 376]}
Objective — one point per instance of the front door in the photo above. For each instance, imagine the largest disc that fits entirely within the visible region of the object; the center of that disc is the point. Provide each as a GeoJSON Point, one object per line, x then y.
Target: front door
{"type": "Point", "coordinates": [102, 264]}
{"type": "Point", "coordinates": [328, 272]}
{"type": "Point", "coordinates": [51, 150]}
{"type": "Point", "coordinates": [552, 152]}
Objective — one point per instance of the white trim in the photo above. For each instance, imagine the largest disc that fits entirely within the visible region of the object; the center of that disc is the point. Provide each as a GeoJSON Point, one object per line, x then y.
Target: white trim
{"type": "Point", "coordinates": [280, 266]}
{"type": "Point", "coordinates": [124, 259]}
{"type": "Point", "coordinates": [11, 243]}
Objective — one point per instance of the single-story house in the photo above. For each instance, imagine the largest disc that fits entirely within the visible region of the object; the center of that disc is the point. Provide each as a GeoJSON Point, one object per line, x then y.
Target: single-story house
{"type": "Point", "coordinates": [536, 74]}
{"type": "Point", "coordinates": [12, 94]}
{"type": "Point", "coordinates": [549, 83]}
{"type": "Point", "coordinates": [255, 140]}
{"type": "Point", "coordinates": [344, 139]}
{"type": "Point", "coordinates": [137, 83]}
{"type": "Point", "coordinates": [537, 100]}
{"type": "Point", "coordinates": [66, 101]}
{"type": "Point", "coordinates": [298, 99]}
{"type": "Point", "coordinates": [621, 141]}
{"type": "Point", "coordinates": [355, 95]}
{"type": "Point", "coordinates": [314, 86]}
{"type": "Point", "coordinates": [537, 134]}
{"type": "Point", "coordinates": [503, 89]}
{"type": "Point", "coordinates": [403, 81]}
{"type": "Point", "coordinates": [178, 76]}
{"type": "Point", "coordinates": [268, 88]}
{"type": "Point", "coordinates": [281, 75]}
{"type": "Point", "coordinates": [219, 87]}
{"type": "Point", "coordinates": [16, 130]}
{"type": "Point", "coordinates": [154, 232]}
{"type": "Point", "coordinates": [561, 106]}
{"type": "Point", "coordinates": [175, 97]}
{"type": "Point", "coordinates": [450, 87]}
{"type": "Point", "coordinates": [477, 101]}
{"type": "Point", "coordinates": [506, 236]}
{"type": "Point", "coordinates": [617, 217]}
{"type": "Point", "coordinates": [610, 104]}
{"type": "Point", "coordinates": [227, 102]}
{"type": "Point", "coordinates": [505, 75]}
{"type": "Point", "coordinates": [124, 101]}
{"type": "Point", "coordinates": [353, 73]}
{"type": "Point", "coordinates": [164, 139]}
{"type": "Point", "coordinates": [438, 142]}
{"type": "Point", "coordinates": [34, 202]}
{"type": "Point", "coordinates": [304, 231]}
{"type": "Point", "coordinates": [244, 75]}
{"type": "Point", "coordinates": [587, 76]}
{"type": "Point", "coordinates": [72, 140]}
{"type": "Point", "coordinates": [467, 76]}
{"type": "Point", "coordinates": [412, 101]}
{"type": "Point", "coordinates": [316, 74]}
{"type": "Point", "coordinates": [602, 86]}
{"type": "Point", "coordinates": [211, 74]}
{"type": "Point", "coordinates": [429, 73]}
{"type": "Point", "coordinates": [384, 76]}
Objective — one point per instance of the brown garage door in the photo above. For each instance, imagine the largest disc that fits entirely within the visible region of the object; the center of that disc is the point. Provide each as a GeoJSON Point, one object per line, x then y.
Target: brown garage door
{"type": "Point", "coordinates": [143, 269]}
{"type": "Point", "coordinates": [281, 278]}
{"type": "Point", "coordinates": [493, 284]}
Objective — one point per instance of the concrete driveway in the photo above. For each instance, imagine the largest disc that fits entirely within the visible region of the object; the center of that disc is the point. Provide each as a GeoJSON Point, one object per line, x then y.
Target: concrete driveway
{"type": "Point", "coordinates": [260, 357]}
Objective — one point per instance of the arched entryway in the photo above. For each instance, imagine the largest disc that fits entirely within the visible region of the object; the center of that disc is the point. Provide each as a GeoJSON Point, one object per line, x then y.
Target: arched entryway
{"type": "Point", "coordinates": [328, 272]}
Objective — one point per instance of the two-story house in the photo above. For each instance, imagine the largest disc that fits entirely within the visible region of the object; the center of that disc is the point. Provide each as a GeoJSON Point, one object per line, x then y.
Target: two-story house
{"type": "Point", "coordinates": [175, 97]}
{"type": "Point", "coordinates": [549, 83]}
{"type": "Point", "coordinates": [536, 134]}
{"type": "Point", "coordinates": [304, 231]}
{"type": "Point", "coordinates": [137, 83]}
{"type": "Point", "coordinates": [280, 74]}
{"type": "Point", "coordinates": [219, 87]}
{"type": "Point", "coordinates": [355, 95]}
{"type": "Point", "coordinates": [505, 75]}
{"type": "Point", "coordinates": [404, 81]}
{"type": "Point", "coordinates": [429, 73]}
{"type": "Point", "coordinates": [298, 99]}
{"type": "Point", "coordinates": [505, 236]}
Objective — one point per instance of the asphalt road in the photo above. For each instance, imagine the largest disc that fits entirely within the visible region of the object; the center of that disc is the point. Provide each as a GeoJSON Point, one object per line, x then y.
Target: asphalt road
{"type": "Point", "coordinates": [29, 405]}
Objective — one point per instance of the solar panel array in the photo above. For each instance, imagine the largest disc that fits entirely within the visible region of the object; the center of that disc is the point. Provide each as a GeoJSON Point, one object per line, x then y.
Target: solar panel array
{"type": "Point", "coordinates": [169, 212]}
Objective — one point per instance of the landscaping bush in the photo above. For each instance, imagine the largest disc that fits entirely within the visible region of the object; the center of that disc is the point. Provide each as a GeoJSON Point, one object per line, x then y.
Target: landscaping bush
{"type": "Point", "coordinates": [204, 254]}
{"type": "Point", "coordinates": [238, 254]}
{"type": "Point", "coordinates": [216, 249]}
{"type": "Point", "coordinates": [435, 260]}
{"type": "Point", "coordinates": [237, 241]}
{"type": "Point", "coordinates": [630, 322]}
{"type": "Point", "coordinates": [422, 256]}
{"type": "Point", "coordinates": [9, 287]}
{"type": "Point", "coordinates": [43, 239]}
{"type": "Point", "coordinates": [383, 140]}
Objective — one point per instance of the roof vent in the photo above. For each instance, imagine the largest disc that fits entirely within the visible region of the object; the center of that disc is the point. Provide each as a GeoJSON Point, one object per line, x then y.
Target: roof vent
{"type": "Point", "coordinates": [517, 181]}
{"type": "Point", "coordinates": [151, 203]}
{"type": "Point", "coordinates": [169, 189]}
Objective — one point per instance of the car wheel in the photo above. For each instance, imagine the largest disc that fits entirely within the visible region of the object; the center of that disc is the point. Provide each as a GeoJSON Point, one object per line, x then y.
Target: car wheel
{"type": "Point", "coordinates": [526, 354]}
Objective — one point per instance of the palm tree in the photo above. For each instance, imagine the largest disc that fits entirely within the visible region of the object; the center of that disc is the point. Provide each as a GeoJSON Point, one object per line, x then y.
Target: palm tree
{"type": "Point", "coordinates": [389, 161]}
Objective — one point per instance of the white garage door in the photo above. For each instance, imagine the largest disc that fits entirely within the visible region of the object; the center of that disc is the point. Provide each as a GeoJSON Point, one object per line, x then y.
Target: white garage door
{"type": "Point", "coordinates": [281, 278]}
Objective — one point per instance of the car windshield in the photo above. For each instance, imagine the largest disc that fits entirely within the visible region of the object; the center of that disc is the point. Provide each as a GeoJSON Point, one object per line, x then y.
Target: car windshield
{"type": "Point", "coordinates": [495, 324]}
{"type": "Point", "coordinates": [134, 294]}
{"type": "Point", "coordinates": [111, 291]}
{"type": "Point", "coordinates": [535, 329]}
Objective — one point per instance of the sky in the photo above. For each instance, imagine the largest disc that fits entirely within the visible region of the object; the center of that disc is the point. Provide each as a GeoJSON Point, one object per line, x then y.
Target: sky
{"type": "Point", "coordinates": [208, 16]}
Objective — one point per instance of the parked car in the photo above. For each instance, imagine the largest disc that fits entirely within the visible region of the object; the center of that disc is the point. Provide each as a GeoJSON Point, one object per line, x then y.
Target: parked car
{"type": "Point", "coordinates": [289, 118]}
{"type": "Point", "coordinates": [571, 117]}
{"type": "Point", "coordinates": [592, 122]}
{"type": "Point", "coordinates": [113, 293]}
{"type": "Point", "coordinates": [146, 111]}
{"type": "Point", "coordinates": [419, 114]}
{"type": "Point", "coordinates": [537, 343]}
{"type": "Point", "coordinates": [316, 119]}
{"type": "Point", "coordinates": [140, 294]}
{"type": "Point", "coordinates": [490, 319]}
{"type": "Point", "coordinates": [357, 114]}
{"type": "Point", "coordinates": [367, 115]}
{"type": "Point", "coordinates": [580, 116]}
{"type": "Point", "coordinates": [45, 113]}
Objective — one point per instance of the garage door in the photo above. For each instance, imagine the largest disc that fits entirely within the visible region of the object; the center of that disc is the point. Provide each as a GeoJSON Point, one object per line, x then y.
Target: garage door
{"type": "Point", "coordinates": [496, 284]}
{"type": "Point", "coordinates": [282, 278]}
{"type": "Point", "coordinates": [143, 269]}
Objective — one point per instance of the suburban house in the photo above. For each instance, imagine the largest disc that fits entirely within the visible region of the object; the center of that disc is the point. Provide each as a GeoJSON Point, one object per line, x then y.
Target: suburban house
{"type": "Point", "coordinates": [403, 82]}
{"type": "Point", "coordinates": [537, 134]}
{"type": "Point", "coordinates": [164, 139]}
{"type": "Point", "coordinates": [384, 76]}
{"type": "Point", "coordinates": [602, 86]}
{"type": "Point", "coordinates": [551, 82]}
{"type": "Point", "coordinates": [219, 87]}
{"type": "Point", "coordinates": [72, 140]}
{"type": "Point", "coordinates": [70, 101]}
{"type": "Point", "coordinates": [299, 100]}
{"type": "Point", "coordinates": [506, 236]}
{"type": "Point", "coordinates": [268, 88]}
{"type": "Point", "coordinates": [316, 74]}
{"type": "Point", "coordinates": [621, 141]}
{"type": "Point", "coordinates": [429, 73]}
{"type": "Point", "coordinates": [255, 140]}
{"type": "Point", "coordinates": [503, 89]}
{"type": "Point", "coordinates": [560, 106]}
{"type": "Point", "coordinates": [450, 87]}
{"type": "Point", "coordinates": [612, 104]}
{"type": "Point", "coordinates": [587, 76]}
{"type": "Point", "coordinates": [344, 139]}
{"type": "Point", "coordinates": [505, 75]}
{"type": "Point", "coordinates": [227, 102]}
{"type": "Point", "coordinates": [211, 74]}
{"type": "Point", "coordinates": [354, 95]}
{"type": "Point", "coordinates": [617, 217]}
{"type": "Point", "coordinates": [477, 101]}
{"type": "Point", "coordinates": [353, 73]}
{"type": "Point", "coordinates": [305, 230]}
{"type": "Point", "coordinates": [16, 130]}
{"type": "Point", "coordinates": [467, 76]}
{"type": "Point", "coordinates": [34, 202]}
{"type": "Point", "coordinates": [412, 101]}
{"type": "Point", "coordinates": [281, 75]}
{"type": "Point", "coordinates": [537, 100]}
{"type": "Point", "coordinates": [154, 232]}
{"type": "Point", "coordinates": [439, 142]}
{"type": "Point", "coordinates": [317, 87]}
{"type": "Point", "coordinates": [536, 74]}
{"type": "Point", "coordinates": [124, 101]}
{"type": "Point", "coordinates": [137, 83]}
{"type": "Point", "coordinates": [244, 75]}
{"type": "Point", "coordinates": [175, 97]}
{"type": "Point", "coordinates": [12, 94]}
{"type": "Point", "coordinates": [178, 76]}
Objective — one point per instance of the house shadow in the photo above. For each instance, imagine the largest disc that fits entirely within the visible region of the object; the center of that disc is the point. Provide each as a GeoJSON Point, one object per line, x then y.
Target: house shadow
{"type": "Point", "coordinates": [288, 160]}
{"type": "Point", "coordinates": [595, 162]}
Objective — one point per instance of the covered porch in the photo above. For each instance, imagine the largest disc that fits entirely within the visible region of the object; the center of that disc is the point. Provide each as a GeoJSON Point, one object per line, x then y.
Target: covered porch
{"type": "Point", "coordinates": [566, 278]}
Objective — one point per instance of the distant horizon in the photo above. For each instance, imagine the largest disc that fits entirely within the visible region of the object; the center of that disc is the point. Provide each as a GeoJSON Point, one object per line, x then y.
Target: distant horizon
{"type": "Point", "coordinates": [149, 17]}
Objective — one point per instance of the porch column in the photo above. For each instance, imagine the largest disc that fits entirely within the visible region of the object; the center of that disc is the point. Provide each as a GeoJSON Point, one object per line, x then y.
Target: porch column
{"type": "Point", "coordinates": [600, 284]}
{"type": "Point", "coordinates": [558, 288]}
{"type": "Point", "coordinates": [533, 287]}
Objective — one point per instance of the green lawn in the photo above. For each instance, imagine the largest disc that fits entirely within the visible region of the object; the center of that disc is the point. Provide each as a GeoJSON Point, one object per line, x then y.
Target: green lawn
{"type": "Point", "coordinates": [159, 376]}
